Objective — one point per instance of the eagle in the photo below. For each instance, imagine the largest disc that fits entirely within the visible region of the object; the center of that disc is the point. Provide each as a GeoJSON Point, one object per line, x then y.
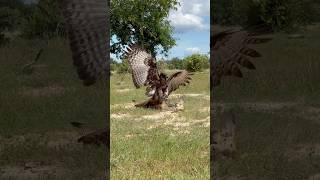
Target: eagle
{"type": "Point", "coordinates": [86, 23]}
{"type": "Point", "coordinates": [145, 73]}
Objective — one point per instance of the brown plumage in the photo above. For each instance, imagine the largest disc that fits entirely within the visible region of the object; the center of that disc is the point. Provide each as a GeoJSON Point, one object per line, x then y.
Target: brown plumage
{"type": "Point", "coordinates": [145, 73]}
{"type": "Point", "coordinates": [86, 24]}
{"type": "Point", "coordinates": [229, 50]}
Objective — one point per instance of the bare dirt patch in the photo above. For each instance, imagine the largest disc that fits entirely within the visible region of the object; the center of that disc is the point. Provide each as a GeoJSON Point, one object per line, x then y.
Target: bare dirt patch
{"type": "Point", "coordinates": [31, 170]}
{"type": "Point", "coordinates": [123, 106]}
{"type": "Point", "coordinates": [303, 151]}
{"type": "Point", "coordinates": [204, 96]}
{"type": "Point", "coordinates": [43, 91]}
{"type": "Point", "coordinates": [257, 106]}
{"type": "Point", "coordinates": [123, 90]}
{"type": "Point", "coordinates": [49, 139]}
{"type": "Point", "coordinates": [314, 177]}
{"type": "Point", "coordinates": [120, 115]}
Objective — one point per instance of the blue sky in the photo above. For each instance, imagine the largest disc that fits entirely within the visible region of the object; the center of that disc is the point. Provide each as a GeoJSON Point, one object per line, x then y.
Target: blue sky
{"type": "Point", "coordinates": [192, 31]}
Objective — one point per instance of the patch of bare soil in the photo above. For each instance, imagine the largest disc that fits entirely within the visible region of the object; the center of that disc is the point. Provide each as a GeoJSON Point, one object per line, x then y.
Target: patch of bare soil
{"type": "Point", "coordinates": [120, 115]}
{"type": "Point", "coordinates": [124, 106]}
{"type": "Point", "coordinates": [303, 151]}
{"type": "Point", "coordinates": [31, 170]}
{"type": "Point", "coordinates": [59, 140]}
{"type": "Point", "coordinates": [204, 110]}
{"type": "Point", "coordinates": [314, 177]}
{"type": "Point", "coordinates": [256, 106]}
{"type": "Point", "coordinates": [49, 139]}
{"type": "Point", "coordinates": [224, 136]}
{"type": "Point", "coordinates": [232, 178]}
{"type": "Point", "coordinates": [309, 112]}
{"type": "Point", "coordinates": [123, 90]}
{"type": "Point", "coordinates": [202, 122]}
{"type": "Point", "coordinates": [167, 118]}
{"type": "Point", "coordinates": [43, 91]}
{"type": "Point", "coordinates": [204, 96]}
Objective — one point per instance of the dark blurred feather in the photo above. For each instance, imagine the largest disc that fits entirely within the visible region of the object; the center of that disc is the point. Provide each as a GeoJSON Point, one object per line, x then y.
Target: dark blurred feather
{"type": "Point", "coordinates": [86, 23]}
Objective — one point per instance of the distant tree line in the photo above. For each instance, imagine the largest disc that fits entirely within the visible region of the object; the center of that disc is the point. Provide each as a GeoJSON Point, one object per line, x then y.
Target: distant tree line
{"type": "Point", "coordinates": [281, 15]}
{"type": "Point", "coordinates": [192, 63]}
{"type": "Point", "coordinates": [42, 20]}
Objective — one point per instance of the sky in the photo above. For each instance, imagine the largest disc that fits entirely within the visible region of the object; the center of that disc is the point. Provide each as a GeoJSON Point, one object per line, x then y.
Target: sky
{"type": "Point", "coordinates": [191, 24]}
{"type": "Point", "coordinates": [192, 28]}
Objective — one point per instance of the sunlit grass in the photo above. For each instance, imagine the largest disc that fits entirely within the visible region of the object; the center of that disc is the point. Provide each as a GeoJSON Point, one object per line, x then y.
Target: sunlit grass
{"type": "Point", "coordinates": [143, 148]}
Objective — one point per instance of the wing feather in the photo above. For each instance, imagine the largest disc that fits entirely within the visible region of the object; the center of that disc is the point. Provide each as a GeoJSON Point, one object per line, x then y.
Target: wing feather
{"type": "Point", "coordinates": [229, 52]}
{"type": "Point", "coordinates": [178, 79]}
{"type": "Point", "coordinates": [86, 24]}
{"type": "Point", "coordinates": [142, 65]}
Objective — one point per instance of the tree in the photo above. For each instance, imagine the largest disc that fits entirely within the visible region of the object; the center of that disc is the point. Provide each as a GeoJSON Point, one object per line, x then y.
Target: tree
{"type": "Point", "coordinates": [143, 21]}
{"type": "Point", "coordinates": [10, 17]}
{"type": "Point", "coordinates": [45, 21]}
{"type": "Point", "coordinates": [280, 15]}
{"type": "Point", "coordinates": [197, 62]}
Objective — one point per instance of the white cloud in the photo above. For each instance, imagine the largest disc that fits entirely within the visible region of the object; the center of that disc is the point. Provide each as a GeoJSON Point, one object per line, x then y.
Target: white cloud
{"type": "Point", "coordinates": [196, 7]}
{"type": "Point", "coordinates": [189, 16]}
{"type": "Point", "coordinates": [192, 50]}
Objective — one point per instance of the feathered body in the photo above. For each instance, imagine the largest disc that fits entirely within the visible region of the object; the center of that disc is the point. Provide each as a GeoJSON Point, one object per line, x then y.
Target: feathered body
{"type": "Point", "coordinates": [145, 73]}
{"type": "Point", "coordinates": [87, 27]}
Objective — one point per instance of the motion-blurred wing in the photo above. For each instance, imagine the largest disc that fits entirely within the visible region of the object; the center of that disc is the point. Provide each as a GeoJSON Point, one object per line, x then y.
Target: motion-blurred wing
{"type": "Point", "coordinates": [142, 65]}
{"type": "Point", "coordinates": [177, 79]}
{"type": "Point", "coordinates": [86, 23]}
{"type": "Point", "coordinates": [230, 50]}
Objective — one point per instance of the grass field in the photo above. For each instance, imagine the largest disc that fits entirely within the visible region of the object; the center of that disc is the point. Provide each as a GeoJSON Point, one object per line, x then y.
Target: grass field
{"type": "Point", "coordinates": [276, 110]}
{"type": "Point", "coordinates": [36, 138]}
{"type": "Point", "coordinates": [160, 144]}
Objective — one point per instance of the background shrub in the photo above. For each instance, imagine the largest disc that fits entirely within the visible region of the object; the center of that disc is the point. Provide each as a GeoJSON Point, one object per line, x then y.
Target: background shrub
{"type": "Point", "coordinates": [196, 62]}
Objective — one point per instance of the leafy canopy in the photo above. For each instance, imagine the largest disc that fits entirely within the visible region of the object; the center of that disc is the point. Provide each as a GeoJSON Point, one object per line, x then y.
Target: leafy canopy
{"type": "Point", "coordinates": [142, 21]}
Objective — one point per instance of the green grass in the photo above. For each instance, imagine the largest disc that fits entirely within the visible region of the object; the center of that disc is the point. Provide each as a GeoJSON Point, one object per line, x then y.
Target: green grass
{"type": "Point", "coordinates": [275, 142]}
{"type": "Point", "coordinates": [170, 147]}
{"type": "Point", "coordinates": [37, 109]}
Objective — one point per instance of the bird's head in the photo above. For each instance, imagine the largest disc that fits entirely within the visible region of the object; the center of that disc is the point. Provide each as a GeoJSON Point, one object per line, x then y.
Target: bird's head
{"type": "Point", "coordinates": [163, 76]}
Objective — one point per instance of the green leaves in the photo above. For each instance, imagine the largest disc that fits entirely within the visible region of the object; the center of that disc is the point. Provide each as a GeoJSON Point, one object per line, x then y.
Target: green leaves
{"type": "Point", "coordinates": [281, 15]}
{"type": "Point", "coordinates": [142, 21]}
{"type": "Point", "coordinates": [45, 21]}
{"type": "Point", "coordinates": [196, 62]}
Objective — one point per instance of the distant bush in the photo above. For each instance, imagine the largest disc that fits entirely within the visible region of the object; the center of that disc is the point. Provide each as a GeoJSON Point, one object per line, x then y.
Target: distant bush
{"type": "Point", "coordinates": [45, 21]}
{"type": "Point", "coordinates": [122, 67]}
{"type": "Point", "coordinates": [175, 63]}
{"type": "Point", "coordinates": [113, 65]}
{"type": "Point", "coordinates": [280, 15]}
{"type": "Point", "coordinates": [196, 62]}
{"type": "Point", "coordinates": [8, 21]}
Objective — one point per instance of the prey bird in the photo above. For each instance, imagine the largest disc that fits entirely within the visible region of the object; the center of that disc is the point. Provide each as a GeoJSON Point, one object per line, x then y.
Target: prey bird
{"type": "Point", "coordinates": [145, 73]}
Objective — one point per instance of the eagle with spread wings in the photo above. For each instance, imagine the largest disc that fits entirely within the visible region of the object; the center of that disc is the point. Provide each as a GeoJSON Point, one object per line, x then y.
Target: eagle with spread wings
{"type": "Point", "coordinates": [87, 27]}
{"type": "Point", "coordinates": [145, 73]}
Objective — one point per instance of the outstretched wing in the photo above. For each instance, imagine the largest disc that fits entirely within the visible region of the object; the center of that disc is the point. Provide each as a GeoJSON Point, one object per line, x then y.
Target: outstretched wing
{"type": "Point", "coordinates": [229, 50]}
{"type": "Point", "coordinates": [86, 24]}
{"type": "Point", "coordinates": [143, 66]}
{"type": "Point", "coordinates": [177, 79]}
